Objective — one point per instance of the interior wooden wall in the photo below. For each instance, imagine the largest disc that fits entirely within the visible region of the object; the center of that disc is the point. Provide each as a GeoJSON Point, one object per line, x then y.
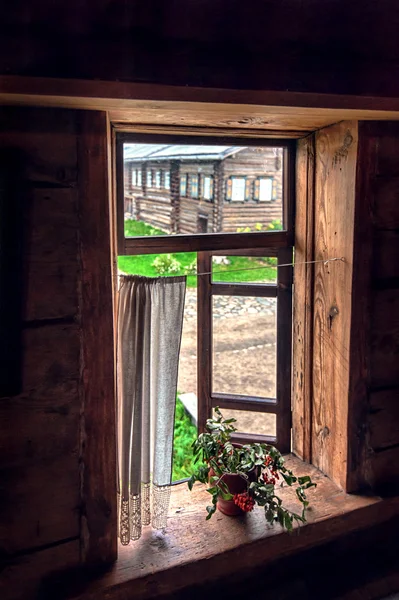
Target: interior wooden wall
{"type": "Point", "coordinates": [47, 498]}
{"type": "Point", "coordinates": [339, 46]}
{"type": "Point", "coordinates": [346, 358]}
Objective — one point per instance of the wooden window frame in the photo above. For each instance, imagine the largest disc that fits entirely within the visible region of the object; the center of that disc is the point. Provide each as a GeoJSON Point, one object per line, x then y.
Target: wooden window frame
{"type": "Point", "coordinates": [277, 244]}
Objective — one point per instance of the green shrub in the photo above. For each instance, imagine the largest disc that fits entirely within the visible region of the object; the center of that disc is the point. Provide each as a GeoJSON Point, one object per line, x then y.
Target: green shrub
{"type": "Point", "coordinates": [165, 264]}
{"type": "Point", "coordinates": [185, 433]}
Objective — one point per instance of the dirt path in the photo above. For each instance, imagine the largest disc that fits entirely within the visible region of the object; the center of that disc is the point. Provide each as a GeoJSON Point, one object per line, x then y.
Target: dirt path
{"type": "Point", "coordinates": [244, 359]}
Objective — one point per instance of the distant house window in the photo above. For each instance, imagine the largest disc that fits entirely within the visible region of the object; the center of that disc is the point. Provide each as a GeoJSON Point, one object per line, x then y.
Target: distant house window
{"type": "Point", "coordinates": [134, 177]}
{"type": "Point", "coordinates": [158, 179]}
{"type": "Point", "coordinates": [139, 178]}
{"type": "Point", "coordinates": [207, 187]}
{"type": "Point", "coordinates": [183, 185]}
{"type": "Point", "coordinates": [167, 180]}
{"type": "Point", "coordinates": [265, 189]}
{"type": "Point", "coordinates": [194, 186]}
{"type": "Point", "coordinates": [149, 178]}
{"type": "Point", "coordinates": [238, 189]}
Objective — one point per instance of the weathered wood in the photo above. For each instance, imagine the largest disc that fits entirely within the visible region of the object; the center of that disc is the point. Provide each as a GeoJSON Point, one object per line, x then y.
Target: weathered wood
{"type": "Point", "coordinates": [46, 427]}
{"type": "Point", "coordinates": [302, 338]}
{"type": "Point", "coordinates": [284, 350]}
{"type": "Point", "coordinates": [386, 258]}
{"type": "Point", "coordinates": [336, 152]}
{"type": "Point", "coordinates": [386, 212]}
{"type": "Point", "coordinates": [205, 242]}
{"type": "Point", "coordinates": [359, 354]}
{"type": "Point", "coordinates": [48, 139]}
{"type": "Point", "coordinates": [40, 503]}
{"type": "Point", "coordinates": [384, 361]}
{"type": "Point", "coordinates": [204, 339]}
{"type": "Point", "coordinates": [98, 443]}
{"type": "Point", "coordinates": [384, 470]}
{"type": "Point", "coordinates": [22, 577]}
{"type": "Point", "coordinates": [157, 572]}
{"type": "Point", "coordinates": [52, 248]}
{"type": "Point", "coordinates": [50, 359]}
{"type": "Point", "coordinates": [384, 418]}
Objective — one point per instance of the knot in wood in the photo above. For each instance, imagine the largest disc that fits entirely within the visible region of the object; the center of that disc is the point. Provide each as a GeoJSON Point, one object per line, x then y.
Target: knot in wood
{"type": "Point", "coordinates": [332, 313]}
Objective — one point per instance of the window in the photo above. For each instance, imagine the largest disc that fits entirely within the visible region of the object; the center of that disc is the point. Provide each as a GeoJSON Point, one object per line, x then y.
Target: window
{"type": "Point", "coordinates": [265, 189]}
{"type": "Point", "coordinates": [242, 303]}
{"type": "Point", "coordinates": [134, 177]}
{"type": "Point", "coordinates": [194, 186]}
{"type": "Point", "coordinates": [139, 178]}
{"type": "Point", "coordinates": [167, 180]}
{"type": "Point", "coordinates": [149, 178]}
{"type": "Point", "coordinates": [238, 189]}
{"type": "Point", "coordinates": [183, 184]}
{"type": "Point", "coordinates": [158, 179]}
{"type": "Point", "coordinates": [207, 187]}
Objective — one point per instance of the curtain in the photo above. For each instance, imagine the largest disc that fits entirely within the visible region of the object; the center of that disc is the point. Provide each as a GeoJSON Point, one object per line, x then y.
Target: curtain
{"type": "Point", "coordinates": [150, 320]}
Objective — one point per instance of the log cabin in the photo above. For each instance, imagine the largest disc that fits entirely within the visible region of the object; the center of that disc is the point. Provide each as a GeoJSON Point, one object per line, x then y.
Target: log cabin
{"type": "Point", "coordinates": [326, 80]}
{"type": "Point", "coordinates": [203, 189]}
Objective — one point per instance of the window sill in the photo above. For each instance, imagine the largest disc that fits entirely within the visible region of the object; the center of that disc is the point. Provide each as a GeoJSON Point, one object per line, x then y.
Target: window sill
{"type": "Point", "coordinates": [163, 563]}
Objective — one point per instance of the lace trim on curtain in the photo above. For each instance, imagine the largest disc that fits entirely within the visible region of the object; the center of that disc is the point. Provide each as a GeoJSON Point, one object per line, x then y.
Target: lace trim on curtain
{"type": "Point", "coordinates": [135, 512]}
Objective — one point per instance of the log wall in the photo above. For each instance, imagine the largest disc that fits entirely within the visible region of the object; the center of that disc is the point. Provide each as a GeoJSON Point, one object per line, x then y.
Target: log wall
{"type": "Point", "coordinates": [45, 486]}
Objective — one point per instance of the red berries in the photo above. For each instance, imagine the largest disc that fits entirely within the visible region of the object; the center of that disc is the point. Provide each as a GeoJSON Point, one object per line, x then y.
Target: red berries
{"type": "Point", "coordinates": [244, 501]}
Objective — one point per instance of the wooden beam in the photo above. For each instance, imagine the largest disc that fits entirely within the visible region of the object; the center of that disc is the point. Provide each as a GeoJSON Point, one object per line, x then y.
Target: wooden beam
{"type": "Point", "coordinates": [302, 339]}
{"type": "Point", "coordinates": [336, 154]}
{"type": "Point", "coordinates": [98, 444]}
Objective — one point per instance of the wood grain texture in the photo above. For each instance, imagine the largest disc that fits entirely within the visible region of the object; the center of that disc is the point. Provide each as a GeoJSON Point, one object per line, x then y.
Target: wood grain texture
{"type": "Point", "coordinates": [52, 247]}
{"type": "Point", "coordinates": [98, 443]}
{"type": "Point", "coordinates": [384, 418]}
{"type": "Point", "coordinates": [22, 577]}
{"type": "Point", "coordinates": [336, 153]}
{"type": "Point", "coordinates": [386, 190]}
{"type": "Point", "coordinates": [302, 339]}
{"type": "Point", "coordinates": [39, 503]}
{"type": "Point", "coordinates": [384, 361]}
{"type": "Point", "coordinates": [162, 563]}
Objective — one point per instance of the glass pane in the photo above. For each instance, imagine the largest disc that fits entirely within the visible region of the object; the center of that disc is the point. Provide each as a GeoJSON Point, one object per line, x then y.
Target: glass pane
{"type": "Point", "coordinates": [252, 422]}
{"type": "Point", "coordinates": [244, 345]}
{"type": "Point", "coordinates": [246, 184]}
{"type": "Point", "coordinates": [244, 269]}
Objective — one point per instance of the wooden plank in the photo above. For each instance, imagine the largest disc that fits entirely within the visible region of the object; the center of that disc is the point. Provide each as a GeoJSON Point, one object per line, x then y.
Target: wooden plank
{"type": "Point", "coordinates": [332, 515]}
{"type": "Point", "coordinates": [386, 212]}
{"type": "Point", "coordinates": [204, 333]}
{"type": "Point", "coordinates": [244, 289]}
{"type": "Point", "coordinates": [40, 503]}
{"type": "Point", "coordinates": [336, 153]}
{"type": "Point", "coordinates": [47, 427]}
{"type": "Point", "coordinates": [52, 248]}
{"type": "Point", "coordinates": [384, 360]}
{"type": "Point", "coordinates": [383, 470]}
{"type": "Point", "coordinates": [384, 418]}
{"type": "Point", "coordinates": [94, 93]}
{"type": "Point", "coordinates": [23, 577]}
{"type": "Point", "coordinates": [385, 257]}
{"type": "Point", "coordinates": [48, 139]}
{"type": "Point", "coordinates": [359, 351]}
{"type": "Point", "coordinates": [50, 359]}
{"type": "Point", "coordinates": [284, 350]}
{"type": "Point", "coordinates": [204, 242]}
{"type": "Point", "coordinates": [241, 402]}
{"type": "Point", "coordinates": [302, 339]}
{"type": "Point", "coordinates": [99, 518]}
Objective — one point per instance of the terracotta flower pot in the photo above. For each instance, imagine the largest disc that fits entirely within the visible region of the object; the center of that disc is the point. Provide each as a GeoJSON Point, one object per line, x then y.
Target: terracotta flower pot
{"type": "Point", "coordinates": [236, 484]}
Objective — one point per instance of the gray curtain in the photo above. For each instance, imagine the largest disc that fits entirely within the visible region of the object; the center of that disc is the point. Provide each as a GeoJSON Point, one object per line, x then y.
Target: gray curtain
{"type": "Point", "coordinates": [150, 319]}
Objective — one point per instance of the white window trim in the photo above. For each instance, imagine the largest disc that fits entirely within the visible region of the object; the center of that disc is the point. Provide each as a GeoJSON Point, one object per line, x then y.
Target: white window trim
{"type": "Point", "coordinates": [238, 194]}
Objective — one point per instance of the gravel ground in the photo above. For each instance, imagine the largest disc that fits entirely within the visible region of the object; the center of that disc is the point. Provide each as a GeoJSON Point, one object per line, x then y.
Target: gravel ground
{"type": "Point", "coordinates": [244, 353]}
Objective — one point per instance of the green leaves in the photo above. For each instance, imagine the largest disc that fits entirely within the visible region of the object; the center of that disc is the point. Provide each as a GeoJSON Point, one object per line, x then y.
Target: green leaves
{"type": "Point", "coordinates": [261, 466]}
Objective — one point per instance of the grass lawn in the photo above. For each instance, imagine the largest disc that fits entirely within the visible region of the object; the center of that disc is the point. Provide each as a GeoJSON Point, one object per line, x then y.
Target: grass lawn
{"type": "Point", "coordinates": [142, 264]}
{"type": "Point", "coordinates": [184, 435]}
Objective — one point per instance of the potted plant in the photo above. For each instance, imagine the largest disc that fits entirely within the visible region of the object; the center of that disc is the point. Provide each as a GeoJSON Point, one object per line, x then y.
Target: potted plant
{"type": "Point", "coordinates": [240, 477]}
